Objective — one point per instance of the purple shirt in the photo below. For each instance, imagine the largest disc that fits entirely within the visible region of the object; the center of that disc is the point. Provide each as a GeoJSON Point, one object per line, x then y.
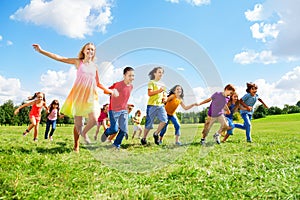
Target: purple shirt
{"type": "Point", "coordinates": [217, 104]}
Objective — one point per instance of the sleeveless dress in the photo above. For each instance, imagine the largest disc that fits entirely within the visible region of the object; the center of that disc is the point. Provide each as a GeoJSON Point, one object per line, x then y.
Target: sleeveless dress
{"type": "Point", "coordinates": [83, 97]}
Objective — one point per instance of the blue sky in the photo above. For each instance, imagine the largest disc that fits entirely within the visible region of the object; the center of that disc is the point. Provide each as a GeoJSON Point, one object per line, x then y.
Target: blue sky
{"type": "Point", "coordinates": [246, 41]}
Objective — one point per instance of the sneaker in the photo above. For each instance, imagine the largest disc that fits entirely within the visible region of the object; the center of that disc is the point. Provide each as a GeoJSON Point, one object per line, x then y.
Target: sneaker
{"type": "Point", "coordinates": [249, 141]}
{"type": "Point", "coordinates": [35, 139]}
{"type": "Point", "coordinates": [126, 136]}
{"type": "Point", "coordinates": [178, 143]}
{"type": "Point", "coordinates": [104, 137]}
{"type": "Point", "coordinates": [160, 142]}
{"type": "Point", "coordinates": [202, 141]}
{"type": "Point", "coordinates": [217, 138]}
{"type": "Point", "coordinates": [95, 137]}
{"type": "Point", "coordinates": [143, 141]}
{"type": "Point", "coordinates": [87, 140]}
{"type": "Point", "coordinates": [51, 138]}
{"type": "Point", "coordinates": [25, 133]}
{"type": "Point", "coordinates": [156, 138]}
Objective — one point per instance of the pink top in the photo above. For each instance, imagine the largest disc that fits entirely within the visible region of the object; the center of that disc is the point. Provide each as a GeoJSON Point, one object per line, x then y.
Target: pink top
{"type": "Point", "coordinates": [53, 115]}
{"type": "Point", "coordinates": [120, 103]}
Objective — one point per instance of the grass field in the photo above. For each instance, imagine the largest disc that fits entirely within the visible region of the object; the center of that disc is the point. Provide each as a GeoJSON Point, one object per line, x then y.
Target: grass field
{"type": "Point", "coordinates": [268, 168]}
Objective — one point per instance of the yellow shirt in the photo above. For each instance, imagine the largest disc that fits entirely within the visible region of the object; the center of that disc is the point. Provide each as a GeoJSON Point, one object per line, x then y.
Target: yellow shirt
{"type": "Point", "coordinates": [138, 120]}
{"type": "Point", "coordinates": [155, 100]}
{"type": "Point", "coordinates": [172, 105]}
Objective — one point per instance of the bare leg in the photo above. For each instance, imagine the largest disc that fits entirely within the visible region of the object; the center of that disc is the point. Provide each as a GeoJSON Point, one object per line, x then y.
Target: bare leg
{"type": "Point", "coordinates": [91, 123]}
{"type": "Point", "coordinates": [76, 140]}
{"type": "Point", "coordinates": [225, 138]}
{"type": "Point", "coordinates": [36, 130]}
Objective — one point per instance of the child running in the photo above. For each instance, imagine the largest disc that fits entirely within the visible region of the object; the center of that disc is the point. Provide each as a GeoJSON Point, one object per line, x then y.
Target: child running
{"type": "Point", "coordinates": [118, 113]}
{"type": "Point", "coordinates": [155, 106]}
{"type": "Point", "coordinates": [233, 106]}
{"type": "Point", "coordinates": [137, 119]}
{"type": "Point", "coordinates": [247, 102]}
{"type": "Point", "coordinates": [218, 103]}
{"type": "Point", "coordinates": [82, 100]}
{"type": "Point", "coordinates": [175, 98]}
{"type": "Point", "coordinates": [38, 103]}
{"type": "Point", "coordinates": [102, 120]}
{"type": "Point", "coordinates": [52, 118]}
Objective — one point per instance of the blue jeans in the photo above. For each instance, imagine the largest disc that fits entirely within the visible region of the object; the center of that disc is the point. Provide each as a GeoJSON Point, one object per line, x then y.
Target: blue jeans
{"type": "Point", "coordinates": [48, 123]}
{"type": "Point", "coordinates": [176, 124]}
{"type": "Point", "coordinates": [118, 119]}
{"type": "Point", "coordinates": [246, 126]}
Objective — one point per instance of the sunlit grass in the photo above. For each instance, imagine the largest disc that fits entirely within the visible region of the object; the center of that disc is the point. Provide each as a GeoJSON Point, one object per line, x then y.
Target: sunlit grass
{"type": "Point", "coordinates": [265, 169]}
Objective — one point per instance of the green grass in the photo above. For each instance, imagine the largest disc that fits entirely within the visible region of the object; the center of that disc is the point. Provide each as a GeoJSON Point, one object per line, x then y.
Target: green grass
{"type": "Point", "coordinates": [265, 169]}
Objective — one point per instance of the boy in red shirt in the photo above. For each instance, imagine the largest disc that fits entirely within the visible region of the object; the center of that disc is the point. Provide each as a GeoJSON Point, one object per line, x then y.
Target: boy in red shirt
{"type": "Point", "coordinates": [118, 114]}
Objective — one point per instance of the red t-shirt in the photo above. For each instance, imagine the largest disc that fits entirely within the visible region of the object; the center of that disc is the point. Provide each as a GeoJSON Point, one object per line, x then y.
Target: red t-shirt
{"type": "Point", "coordinates": [120, 103]}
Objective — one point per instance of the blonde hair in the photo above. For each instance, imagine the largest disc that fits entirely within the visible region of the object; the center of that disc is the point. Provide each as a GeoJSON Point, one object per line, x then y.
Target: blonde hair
{"type": "Point", "coordinates": [81, 55]}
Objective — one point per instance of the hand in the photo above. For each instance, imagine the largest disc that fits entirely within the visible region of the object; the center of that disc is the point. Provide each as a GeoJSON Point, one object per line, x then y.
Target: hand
{"type": "Point", "coordinates": [16, 111]}
{"type": "Point", "coordinates": [37, 47]}
{"type": "Point", "coordinates": [115, 92]}
{"type": "Point", "coordinates": [249, 108]}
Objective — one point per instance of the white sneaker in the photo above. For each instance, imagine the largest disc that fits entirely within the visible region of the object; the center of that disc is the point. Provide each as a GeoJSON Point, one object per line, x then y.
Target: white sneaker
{"type": "Point", "coordinates": [217, 138]}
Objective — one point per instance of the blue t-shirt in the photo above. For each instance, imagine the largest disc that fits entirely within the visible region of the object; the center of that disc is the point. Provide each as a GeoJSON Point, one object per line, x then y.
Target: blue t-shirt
{"type": "Point", "coordinates": [249, 100]}
{"type": "Point", "coordinates": [231, 108]}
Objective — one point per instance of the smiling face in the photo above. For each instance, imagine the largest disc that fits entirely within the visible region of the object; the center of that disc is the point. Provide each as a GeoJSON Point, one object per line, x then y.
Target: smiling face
{"type": "Point", "coordinates": [234, 98]}
{"type": "Point", "coordinates": [158, 74]}
{"type": "Point", "coordinates": [178, 91]}
{"type": "Point", "coordinates": [129, 77]}
{"type": "Point", "coordinates": [89, 51]}
{"type": "Point", "coordinates": [253, 91]}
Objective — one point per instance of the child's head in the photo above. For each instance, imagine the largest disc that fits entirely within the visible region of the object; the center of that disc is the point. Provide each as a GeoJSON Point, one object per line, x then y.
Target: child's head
{"type": "Point", "coordinates": [251, 88]}
{"type": "Point", "coordinates": [104, 108]}
{"type": "Point", "coordinates": [156, 73]}
{"type": "Point", "coordinates": [130, 107]}
{"type": "Point", "coordinates": [88, 50]}
{"type": "Point", "coordinates": [229, 90]}
{"type": "Point", "coordinates": [177, 90]}
{"type": "Point", "coordinates": [128, 74]}
{"type": "Point", "coordinates": [54, 104]}
{"type": "Point", "coordinates": [38, 96]}
{"type": "Point", "coordinates": [138, 113]}
{"type": "Point", "coordinates": [234, 97]}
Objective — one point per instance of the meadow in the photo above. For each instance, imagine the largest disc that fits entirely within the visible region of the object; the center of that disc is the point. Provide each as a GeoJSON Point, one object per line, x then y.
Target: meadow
{"type": "Point", "coordinates": [268, 168]}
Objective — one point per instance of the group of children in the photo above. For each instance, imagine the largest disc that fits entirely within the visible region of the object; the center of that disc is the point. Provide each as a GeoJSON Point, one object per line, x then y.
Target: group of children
{"type": "Point", "coordinates": [82, 102]}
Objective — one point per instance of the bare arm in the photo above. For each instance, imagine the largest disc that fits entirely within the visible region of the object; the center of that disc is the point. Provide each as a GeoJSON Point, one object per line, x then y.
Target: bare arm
{"type": "Point", "coordinates": [249, 108]}
{"type": "Point", "coordinates": [204, 102]}
{"type": "Point", "coordinates": [187, 107]}
{"type": "Point", "coordinates": [227, 110]}
{"type": "Point", "coordinates": [154, 92]}
{"type": "Point", "coordinates": [74, 61]}
{"type": "Point", "coordinates": [99, 85]}
{"type": "Point", "coordinates": [23, 106]}
{"type": "Point", "coordinates": [261, 101]}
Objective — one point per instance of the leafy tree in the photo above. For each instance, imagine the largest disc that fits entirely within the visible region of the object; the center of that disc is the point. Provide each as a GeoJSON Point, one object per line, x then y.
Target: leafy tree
{"type": "Point", "coordinates": [274, 111]}
{"type": "Point", "coordinates": [290, 109]}
{"type": "Point", "coordinates": [260, 112]}
{"type": "Point", "coordinates": [8, 110]}
{"type": "Point", "coordinates": [298, 104]}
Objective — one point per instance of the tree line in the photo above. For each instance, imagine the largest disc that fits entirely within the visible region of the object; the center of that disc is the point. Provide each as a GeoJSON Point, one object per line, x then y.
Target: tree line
{"type": "Point", "coordinates": [7, 116]}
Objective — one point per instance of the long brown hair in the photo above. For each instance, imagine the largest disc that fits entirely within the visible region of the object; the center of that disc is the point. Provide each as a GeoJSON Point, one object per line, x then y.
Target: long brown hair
{"type": "Point", "coordinates": [81, 55]}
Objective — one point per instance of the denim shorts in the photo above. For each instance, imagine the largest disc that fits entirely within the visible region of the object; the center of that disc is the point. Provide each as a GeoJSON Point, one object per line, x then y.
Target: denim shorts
{"type": "Point", "coordinates": [155, 111]}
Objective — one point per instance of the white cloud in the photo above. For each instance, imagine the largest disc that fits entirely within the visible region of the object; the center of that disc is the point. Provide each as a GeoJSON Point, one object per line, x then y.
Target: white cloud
{"type": "Point", "coordinates": [264, 31]}
{"type": "Point", "coordinates": [250, 56]}
{"type": "Point", "coordinates": [180, 68]}
{"type": "Point", "coordinates": [278, 26]}
{"type": "Point", "coordinates": [192, 2]}
{"type": "Point", "coordinates": [10, 89]}
{"type": "Point", "coordinates": [1, 38]}
{"type": "Point", "coordinates": [75, 20]}
{"type": "Point", "coordinates": [290, 80]}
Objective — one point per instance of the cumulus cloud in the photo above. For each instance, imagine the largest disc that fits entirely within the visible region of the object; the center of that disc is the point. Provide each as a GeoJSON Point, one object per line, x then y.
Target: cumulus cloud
{"type": "Point", "coordinates": [193, 2]}
{"type": "Point", "coordinates": [1, 38]}
{"type": "Point", "coordinates": [276, 24]}
{"type": "Point", "coordinates": [75, 20]}
{"type": "Point", "coordinates": [290, 80]}
{"type": "Point", "coordinates": [10, 89]}
{"type": "Point", "coordinates": [250, 56]}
